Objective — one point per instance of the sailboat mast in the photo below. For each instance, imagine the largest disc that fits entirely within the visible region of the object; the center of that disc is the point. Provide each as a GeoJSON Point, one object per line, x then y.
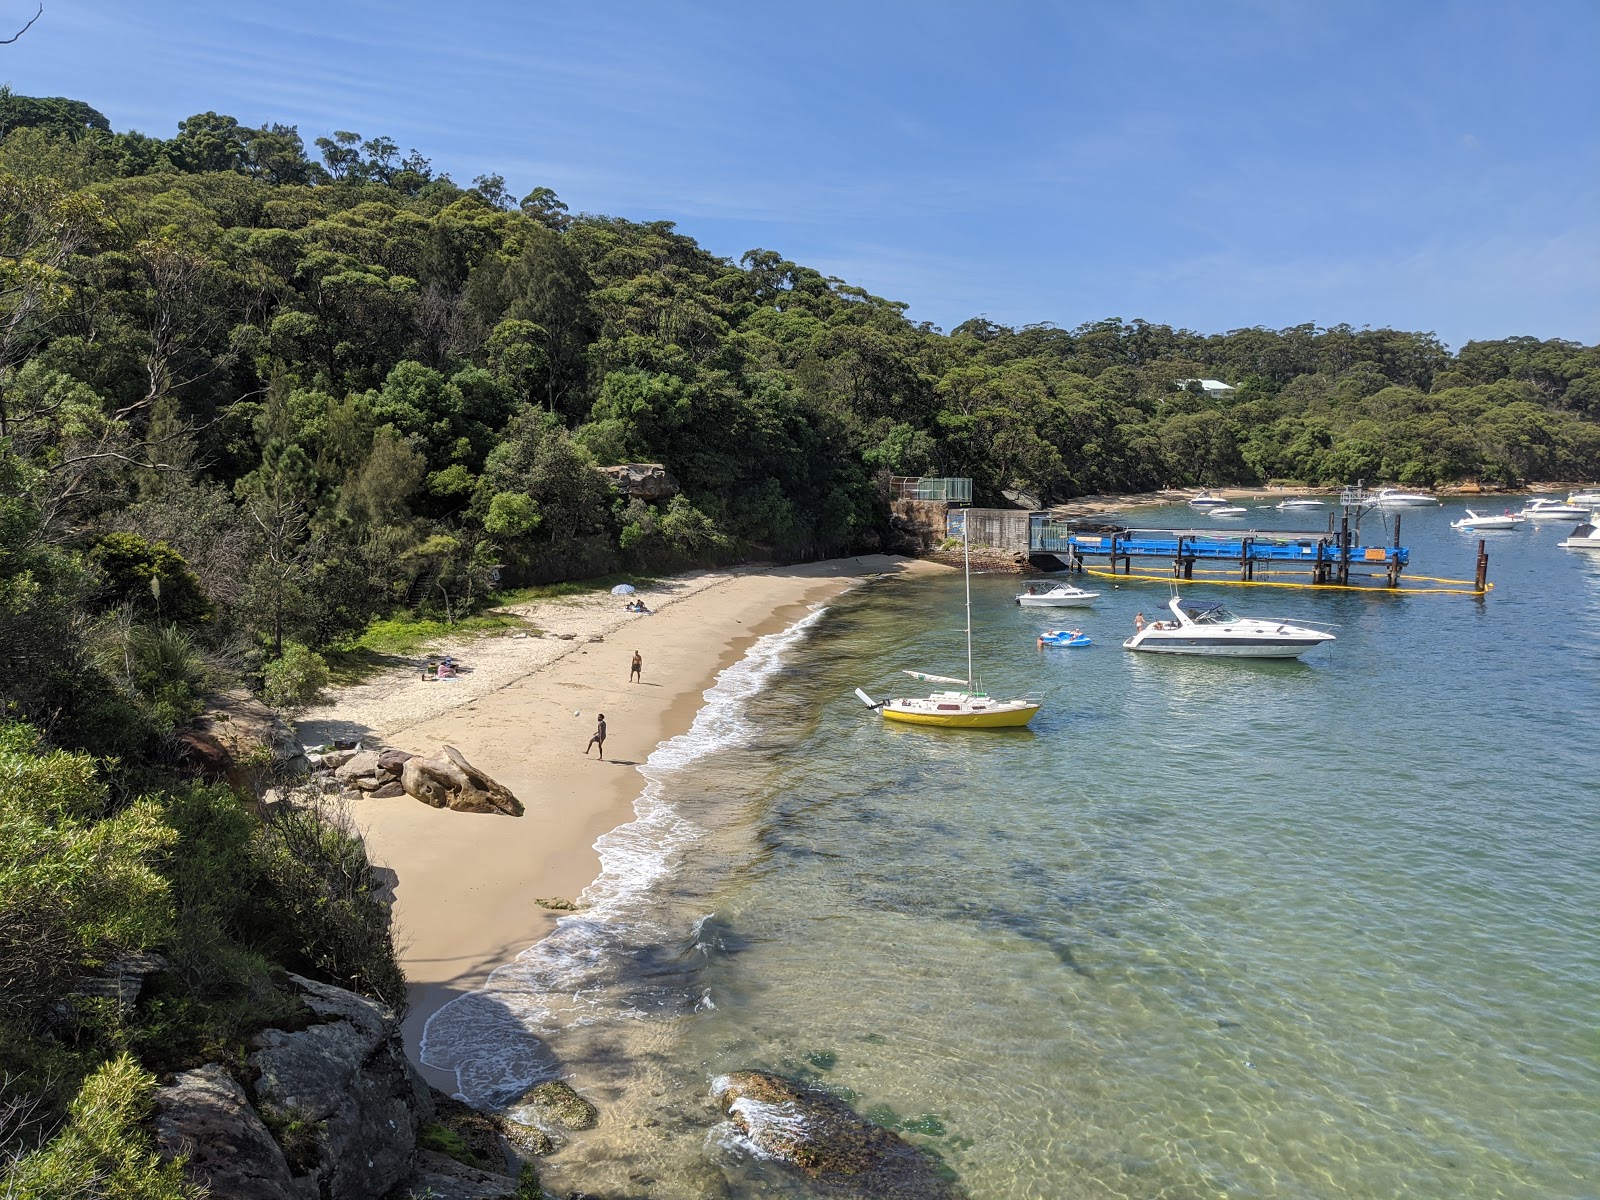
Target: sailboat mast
{"type": "Point", "coordinates": [966, 571]}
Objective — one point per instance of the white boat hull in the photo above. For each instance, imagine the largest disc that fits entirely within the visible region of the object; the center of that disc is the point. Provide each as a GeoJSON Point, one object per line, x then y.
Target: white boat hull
{"type": "Point", "coordinates": [1217, 648]}
{"type": "Point", "coordinates": [1082, 600]}
{"type": "Point", "coordinates": [1575, 543]}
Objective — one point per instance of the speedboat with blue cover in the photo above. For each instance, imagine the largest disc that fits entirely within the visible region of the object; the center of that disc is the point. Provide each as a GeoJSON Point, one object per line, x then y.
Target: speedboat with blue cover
{"type": "Point", "coordinates": [1204, 628]}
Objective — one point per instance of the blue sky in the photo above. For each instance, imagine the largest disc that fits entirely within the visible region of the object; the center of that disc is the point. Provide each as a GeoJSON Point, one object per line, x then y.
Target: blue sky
{"type": "Point", "coordinates": [1425, 164]}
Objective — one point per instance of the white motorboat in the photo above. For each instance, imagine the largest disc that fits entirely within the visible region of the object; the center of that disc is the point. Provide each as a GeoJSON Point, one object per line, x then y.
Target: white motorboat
{"type": "Point", "coordinates": [1206, 500]}
{"type": "Point", "coordinates": [1055, 595]}
{"type": "Point", "coordinates": [1395, 498]}
{"type": "Point", "coordinates": [1202, 628]}
{"type": "Point", "coordinates": [1298, 502]}
{"type": "Point", "coordinates": [1227, 510]}
{"type": "Point", "coordinates": [1543, 509]}
{"type": "Point", "coordinates": [1473, 523]}
{"type": "Point", "coordinates": [1588, 499]}
{"type": "Point", "coordinates": [1585, 536]}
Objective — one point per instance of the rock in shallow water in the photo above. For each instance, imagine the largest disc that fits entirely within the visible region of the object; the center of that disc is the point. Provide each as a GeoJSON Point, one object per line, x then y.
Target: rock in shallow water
{"type": "Point", "coordinates": [824, 1138]}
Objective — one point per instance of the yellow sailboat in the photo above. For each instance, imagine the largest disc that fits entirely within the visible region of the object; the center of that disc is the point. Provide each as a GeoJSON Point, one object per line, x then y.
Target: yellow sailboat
{"type": "Point", "coordinates": [964, 709]}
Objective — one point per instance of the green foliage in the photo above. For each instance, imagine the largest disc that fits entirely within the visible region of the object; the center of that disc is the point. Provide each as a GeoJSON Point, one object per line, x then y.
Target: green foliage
{"type": "Point", "coordinates": [103, 1150]}
{"type": "Point", "coordinates": [297, 679]}
{"type": "Point", "coordinates": [443, 1140]}
{"type": "Point", "coordinates": [511, 515]}
{"type": "Point", "coordinates": [78, 884]}
{"type": "Point", "coordinates": [323, 914]}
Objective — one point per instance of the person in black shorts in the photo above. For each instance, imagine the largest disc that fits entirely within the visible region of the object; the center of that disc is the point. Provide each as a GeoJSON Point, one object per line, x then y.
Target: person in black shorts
{"type": "Point", "coordinates": [599, 739]}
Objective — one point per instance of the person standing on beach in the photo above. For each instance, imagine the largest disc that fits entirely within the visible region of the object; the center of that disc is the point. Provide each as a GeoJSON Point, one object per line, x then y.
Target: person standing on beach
{"type": "Point", "coordinates": [635, 672]}
{"type": "Point", "coordinates": [599, 739]}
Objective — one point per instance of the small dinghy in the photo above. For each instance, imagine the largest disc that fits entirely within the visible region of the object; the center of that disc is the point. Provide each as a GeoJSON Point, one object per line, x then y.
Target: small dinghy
{"type": "Point", "coordinates": [1064, 637]}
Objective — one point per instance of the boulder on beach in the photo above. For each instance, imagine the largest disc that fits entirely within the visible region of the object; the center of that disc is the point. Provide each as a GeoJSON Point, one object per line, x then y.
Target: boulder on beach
{"type": "Point", "coordinates": [825, 1139]}
{"type": "Point", "coordinates": [450, 781]}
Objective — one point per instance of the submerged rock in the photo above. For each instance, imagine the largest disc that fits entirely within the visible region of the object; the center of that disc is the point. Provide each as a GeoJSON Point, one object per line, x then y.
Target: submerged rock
{"type": "Point", "coordinates": [824, 1138]}
{"type": "Point", "coordinates": [555, 1103]}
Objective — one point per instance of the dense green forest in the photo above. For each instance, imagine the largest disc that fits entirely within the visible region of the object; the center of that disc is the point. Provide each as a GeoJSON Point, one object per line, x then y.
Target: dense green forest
{"type": "Point", "coordinates": [255, 396]}
{"type": "Point", "coordinates": [315, 380]}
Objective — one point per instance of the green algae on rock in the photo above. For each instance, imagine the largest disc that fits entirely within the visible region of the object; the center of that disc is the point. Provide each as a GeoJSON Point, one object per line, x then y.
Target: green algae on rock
{"type": "Point", "coordinates": [821, 1136]}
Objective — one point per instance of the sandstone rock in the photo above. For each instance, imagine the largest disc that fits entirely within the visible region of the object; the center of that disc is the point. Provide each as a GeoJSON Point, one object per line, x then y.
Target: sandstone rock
{"type": "Point", "coordinates": [200, 754]}
{"type": "Point", "coordinates": [363, 763]}
{"type": "Point", "coordinates": [366, 783]}
{"type": "Point", "coordinates": [121, 980]}
{"type": "Point", "coordinates": [390, 761]}
{"type": "Point", "coordinates": [824, 1138]}
{"type": "Point", "coordinates": [255, 736]}
{"type": "Point", "coordinates": [349, 1080]}
{"type": "Point", "coordinates": [331, 760]}
{"type": "Point", "coordinates": [387, 790]}
{"type": "Point", "coordinates": [205, 1115]}
{"type": "Point", "coordinates": [440, 1177]}
{"type": "Point", "coordinates": [555, 1103]}
{"type": "Point", "coordinates": [450, 781]}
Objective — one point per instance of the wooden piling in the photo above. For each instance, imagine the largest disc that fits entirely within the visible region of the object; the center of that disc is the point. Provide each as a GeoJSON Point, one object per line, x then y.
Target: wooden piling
{"type": "Point", "coordinates": [1482, 578]}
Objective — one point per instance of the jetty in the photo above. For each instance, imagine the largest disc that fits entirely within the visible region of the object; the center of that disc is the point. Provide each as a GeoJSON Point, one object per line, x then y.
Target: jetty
{"type": "Point", "coordinates": [1332, 557]}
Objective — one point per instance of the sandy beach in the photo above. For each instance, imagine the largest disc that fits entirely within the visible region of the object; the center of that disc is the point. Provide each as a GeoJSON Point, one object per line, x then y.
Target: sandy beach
{"type": "Point", "coordinates": [523, 709]}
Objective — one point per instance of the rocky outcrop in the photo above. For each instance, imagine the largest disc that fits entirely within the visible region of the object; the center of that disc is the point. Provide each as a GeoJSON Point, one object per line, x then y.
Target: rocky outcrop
{"type": "Point", "coordinates": [450, 781]}
{"type": "Point", "coordinates": [646, 481]}
{"type": "Point", "coordinates": [440, 1177]}
{"type": "Point", "coordinates": [255, 736]}
{"type": "Point", "coordinates": [825, 1139]}
{"type": "Point", "coordinates": [332, 1113]}
{"type": "Point", "coordinates": [205, 1117]}
{"type": "Point", "coordinates": [447, 780]}
{"type": "Point", "coordinates": [347, 1080]}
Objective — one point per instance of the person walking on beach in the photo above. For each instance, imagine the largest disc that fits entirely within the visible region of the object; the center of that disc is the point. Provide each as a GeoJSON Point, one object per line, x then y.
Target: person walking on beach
{"type": "Point", "coordinates": [635, 672]}
{"type": "Point", "coordinates": [599, 739]}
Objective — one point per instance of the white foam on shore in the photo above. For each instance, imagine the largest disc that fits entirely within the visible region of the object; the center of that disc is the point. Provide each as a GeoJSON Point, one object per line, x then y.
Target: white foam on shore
{"type": "Point", "coordinates": [490, 1039]}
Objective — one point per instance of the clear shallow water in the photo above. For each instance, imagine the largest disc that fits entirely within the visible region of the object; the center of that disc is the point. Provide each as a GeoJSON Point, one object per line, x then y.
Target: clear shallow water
{"type": "Point", "coordinates": [1315, 929]}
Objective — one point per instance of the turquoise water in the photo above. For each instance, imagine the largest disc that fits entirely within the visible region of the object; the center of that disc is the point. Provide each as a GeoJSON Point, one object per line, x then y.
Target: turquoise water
{"type": "Point", "coordinates": [1209, 928]}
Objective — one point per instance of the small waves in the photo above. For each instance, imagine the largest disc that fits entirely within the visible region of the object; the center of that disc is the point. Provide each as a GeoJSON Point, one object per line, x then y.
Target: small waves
{"type": "Point", "coordinates": [627, 955]}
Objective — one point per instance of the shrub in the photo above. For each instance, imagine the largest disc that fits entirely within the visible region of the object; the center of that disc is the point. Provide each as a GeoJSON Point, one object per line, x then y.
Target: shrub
{"type": "Point", "coordinates": [103, 1150]}
{"type": "Point", "coordinates": [76, 886]}
{"type": "Point", "coordinates": [296, 679]}
{"type": "Point", "coordinates": [324, 916]}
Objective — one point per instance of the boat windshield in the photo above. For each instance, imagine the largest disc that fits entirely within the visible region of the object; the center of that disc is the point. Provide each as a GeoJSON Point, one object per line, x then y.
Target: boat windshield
{"type": "Point", "coordinates": [1208, 614]}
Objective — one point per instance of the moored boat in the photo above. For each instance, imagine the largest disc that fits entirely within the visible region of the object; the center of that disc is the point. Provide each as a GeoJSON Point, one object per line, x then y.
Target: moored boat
{"type": "Point", "coordinates": [1545, 509]}
{"type": "Point", "coordinates": [1589, 498]}
{"type": "Point", "coordinates": [1298, 502]}
{"type": "Point", "coordinates": [1210, 629]}
{"type": "Point", "coordinates": [1206, 500]}
{"type": "Point", "coordinates": [1585, 536]}
{"type": "Point", "coordinates": [1396, 498]}
{"type": "Point", "coordinates": [1473, 523]}
{"type": "Point", "coordinates": [1227, 510]}
{"type": "Point", "coordinates": [967, 708]}
{"type": "Point", "coordinates": [1056, 595]}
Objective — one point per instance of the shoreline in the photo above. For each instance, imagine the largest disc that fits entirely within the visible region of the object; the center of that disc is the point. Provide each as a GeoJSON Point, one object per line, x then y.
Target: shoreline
{"type": "Point", "coordinates": [523, 709]}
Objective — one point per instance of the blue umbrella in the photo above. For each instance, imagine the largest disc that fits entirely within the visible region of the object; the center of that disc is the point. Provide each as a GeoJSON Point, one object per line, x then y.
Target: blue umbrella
{"type": "Point", "coordinates": [622, 589]}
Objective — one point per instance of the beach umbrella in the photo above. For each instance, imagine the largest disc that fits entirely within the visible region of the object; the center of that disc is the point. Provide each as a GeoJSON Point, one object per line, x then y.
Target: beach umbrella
{"type": "Point", "coordinates": [622, 589]}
